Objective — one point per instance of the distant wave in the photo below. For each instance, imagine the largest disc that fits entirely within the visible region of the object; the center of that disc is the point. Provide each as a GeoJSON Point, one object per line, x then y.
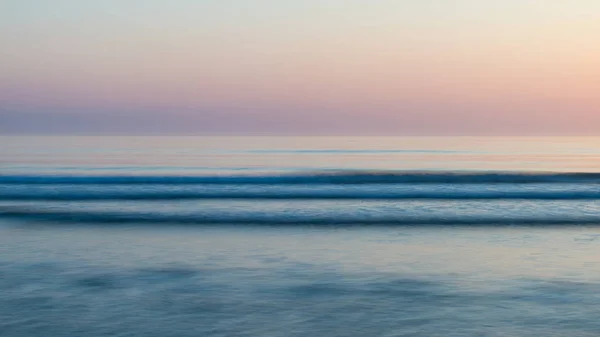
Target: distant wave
{"type": "Point", "coordinates": [348, 151]}
{"type": "Point", "coordinates": [258, 219]}
{"type": "Point", "coordinates": [298, 195]}
{"type": "Point", "coordinates": [369, 177]}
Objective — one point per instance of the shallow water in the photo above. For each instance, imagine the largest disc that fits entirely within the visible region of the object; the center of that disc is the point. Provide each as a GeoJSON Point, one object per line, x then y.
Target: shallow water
{"type": "Point", "coordinates": [461, 252]}
{"type": "Point", "coordinates": [283, 281]}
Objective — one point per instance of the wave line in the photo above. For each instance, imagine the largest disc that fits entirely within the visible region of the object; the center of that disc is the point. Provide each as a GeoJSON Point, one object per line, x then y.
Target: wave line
{"type": "Point", "coordinates": [359, 177]}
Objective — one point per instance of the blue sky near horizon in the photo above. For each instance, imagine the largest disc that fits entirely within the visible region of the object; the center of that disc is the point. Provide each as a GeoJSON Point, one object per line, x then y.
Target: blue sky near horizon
{"type": "Point", "coordinates": [432, 67]}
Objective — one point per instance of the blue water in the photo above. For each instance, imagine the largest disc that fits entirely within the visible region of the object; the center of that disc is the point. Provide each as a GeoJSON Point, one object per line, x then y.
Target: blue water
{"type": "Point", "coordinates": [299, 236]}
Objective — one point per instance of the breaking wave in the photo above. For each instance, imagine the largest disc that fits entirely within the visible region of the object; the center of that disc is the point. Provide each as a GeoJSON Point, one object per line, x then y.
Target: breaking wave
{"type": "Point", "coordinates": [121, 218]}
{"type": "Point", "coordinates": [301, 195]}
{"type": "Point", "coordinates": [350, 177]}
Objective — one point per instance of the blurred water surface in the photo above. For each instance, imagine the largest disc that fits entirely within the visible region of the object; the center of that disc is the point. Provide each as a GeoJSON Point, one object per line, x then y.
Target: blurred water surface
{"type": "Point", "coordinates": [371, 237]}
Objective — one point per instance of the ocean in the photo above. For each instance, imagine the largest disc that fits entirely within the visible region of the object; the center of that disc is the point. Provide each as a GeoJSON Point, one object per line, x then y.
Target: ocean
{"type": "Point", "coordinates": [299, 236]}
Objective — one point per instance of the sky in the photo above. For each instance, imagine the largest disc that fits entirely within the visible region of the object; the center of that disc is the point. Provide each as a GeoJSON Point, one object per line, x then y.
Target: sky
{"type": "Point", "coordinates": [295, 67]}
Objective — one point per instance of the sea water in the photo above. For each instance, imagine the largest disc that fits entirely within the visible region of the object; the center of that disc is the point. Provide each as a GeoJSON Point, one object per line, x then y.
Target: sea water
{"type": "Point", "coordinates": [299, 236]}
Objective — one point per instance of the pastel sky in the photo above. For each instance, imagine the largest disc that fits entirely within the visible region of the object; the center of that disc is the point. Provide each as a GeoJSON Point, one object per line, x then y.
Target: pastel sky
{"type": "Point", "coordinates": [380, 67]}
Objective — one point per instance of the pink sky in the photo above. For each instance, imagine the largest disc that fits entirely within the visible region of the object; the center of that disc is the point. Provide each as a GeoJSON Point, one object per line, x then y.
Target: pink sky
{"type": "Point", "coordinates": [301, 67]}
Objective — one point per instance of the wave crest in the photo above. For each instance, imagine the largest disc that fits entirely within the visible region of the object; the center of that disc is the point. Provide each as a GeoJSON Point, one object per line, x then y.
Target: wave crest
{"type": "Point", "coordinates": [359, 177]}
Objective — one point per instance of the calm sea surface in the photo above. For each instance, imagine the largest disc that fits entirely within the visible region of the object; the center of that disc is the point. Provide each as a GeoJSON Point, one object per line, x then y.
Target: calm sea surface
{"type": "Point", "coordinates": [299, 236]}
